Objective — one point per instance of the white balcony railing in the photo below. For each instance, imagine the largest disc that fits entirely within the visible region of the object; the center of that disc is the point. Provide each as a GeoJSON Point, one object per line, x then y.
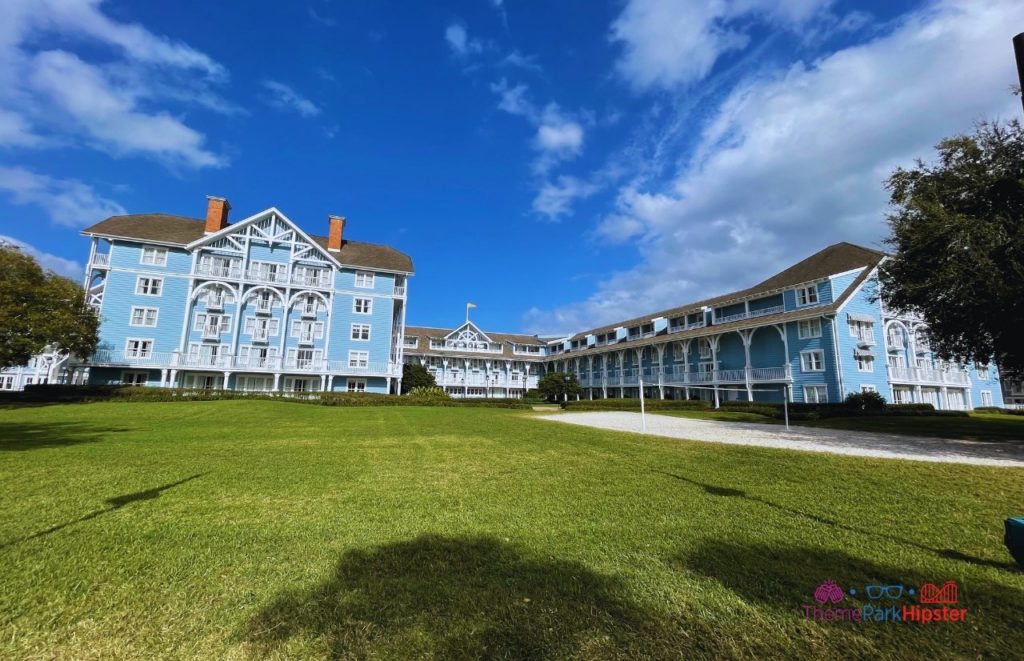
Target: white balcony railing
{"type": "Point", "coordinates": [928, 375]}
{"type": "Point", "coordinates": [679, 375]}
{"type": "Point", "coordinates": [260, 334]}
{"type": "Point", "coordinates": [264, 306]}
{"type": "Point", "coordinates": [320, 280]}
{"type": "Point", "coordinates": [100, 261]}
{"type": "Point", "coordinates": [306, 337]}
{"type": "Point", "coordinates": [218, 271]}
{"type": "Point", "coordinates": [224, 361]}
{"type": "Point", "coordinates": [776, 309]}
{"type": "Point", "coordinates": [211, 332]}
{"type": "Point", "coordinates": [309, 310]}
{"type": "Point", "coordinates": [399, 290]}
{"type": "Point", "coordinates": [279, 276]}
{"type": "Point", "coordinates": [214, 302]}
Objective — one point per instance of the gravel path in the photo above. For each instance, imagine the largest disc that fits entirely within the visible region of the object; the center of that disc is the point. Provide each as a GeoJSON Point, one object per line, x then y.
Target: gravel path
{"type": "Point", "coordinates": [810, 439]}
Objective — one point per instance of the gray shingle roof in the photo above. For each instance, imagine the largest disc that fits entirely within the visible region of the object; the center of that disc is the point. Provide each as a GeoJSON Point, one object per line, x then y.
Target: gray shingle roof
{"type": "Point", "coordinates": [182, 230]}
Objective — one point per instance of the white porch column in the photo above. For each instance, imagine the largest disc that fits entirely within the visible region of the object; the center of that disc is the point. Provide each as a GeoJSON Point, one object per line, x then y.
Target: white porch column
{"type": "Point", "coordinates": [277, 381]}
{"type": "Point", "coordinates": [163, 378]}
{"type": "Point", "coordinates": [227, 377]}
{"type": "Point", "coordinates": [604, 375]}
{"type": "Point", "coordinates": [747, 336]}
{"type": "Point", "coordinates": [590, 376]}
{"type": "Point", "coordinates": [713, 344]}
{"type": "Point", "coordinates": [323, 383]}
{"type": "Point", "coordinates": [660, 348]}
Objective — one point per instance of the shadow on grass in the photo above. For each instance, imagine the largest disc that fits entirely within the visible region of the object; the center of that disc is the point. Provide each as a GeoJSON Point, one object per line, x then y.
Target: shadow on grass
{"type": "Point", "coordinates": [113, 504]}
{"type": "Point", "coordinates": [19, 436]}
{"type": "Point", "coordinates": [950, 554]}
{"type": "Point", "coordinates": [784, 579]}
{"type": "Point", "coordinates": [444, 597]}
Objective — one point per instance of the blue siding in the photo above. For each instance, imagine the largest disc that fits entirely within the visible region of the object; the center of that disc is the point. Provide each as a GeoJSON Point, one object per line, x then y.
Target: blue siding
{"type": "Point", "coordinates": [853, 379]}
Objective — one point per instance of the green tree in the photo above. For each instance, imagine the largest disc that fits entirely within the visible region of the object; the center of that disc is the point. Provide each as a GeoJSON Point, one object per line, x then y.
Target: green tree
{"type": "Point", "coordinates": [416, 376]}
{"type": "Point", "coordinates": [38, 309]}
{"type": "Point", "coordinates": [558, 386]}
{"type": "Point", "coordinates": [957, 237]}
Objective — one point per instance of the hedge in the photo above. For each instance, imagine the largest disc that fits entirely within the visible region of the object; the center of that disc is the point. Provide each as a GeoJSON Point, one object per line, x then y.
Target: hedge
{"type": "Point", "coordinates": [800, 411]}
{"type": "Point", "coordinates": [49, 393]}
{"type": "Point", "coordinates": [998, 409]}
{"type": "Point", "coordinates": [633, 404]}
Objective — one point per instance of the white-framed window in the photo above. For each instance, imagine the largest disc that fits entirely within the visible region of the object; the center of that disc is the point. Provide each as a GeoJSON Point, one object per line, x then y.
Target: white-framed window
{"type": "Point", "coordinates": [138, 348]}
{"type": "Point", "coordinates": [356, 385]}
{"type": "Point", "coordinates": [250, 356]}
{"type": "Point", "coordinates": [359, 359]}
{"type": "Point", "coordinates": [364, 279]}
{"type": "Point", "coordinates": [704, 348]}
{"type": "Point", "coordinates": [269, 327]}
{"type": "Point", "coordinates": [867, 387]}
{"type": "Point", "coordinates": [254, 383]}
{"type": "Point", "coordinates": [361, 332]}
{"type": "Point", "coordinates": [864, 331]}
{"type": "Point", "coordinates": [221, 322]}
{"type": "Point", "coordinates": [807, 295]}
{"type": "Point", "coordinates": [986, 398]}
{"type": "Point", "coordinates": [983, 372]}
{"type": "Point", "coordinates": [307, 329]}
{"type": "Point", "coordinates": [271, 271]}
{"type": "Point", "coordinates": [6, 383]}
{"type": "Point", "coordinates": [902, 395]}
{"type": "Point", "coordinates": [865, 363]}
{"type": "Point", "coordinates": [134, 378]}
{"type": "Point", "coordinates": [816, 394]}
{"type": "Point", "coordinates": [362, 305]}
{"type": "Point", "coordinates": [29, 380]}
{"type": "Point", "coordinates": [812, 361]}
{"type": "Point", "coordinates": [149, 286]}
{"type": "Point", "coordinates": [808, 328]}
{"type": "Point", "coordinates": [143, 316]}
{"type": "Point", "coordinates": [153, 256]}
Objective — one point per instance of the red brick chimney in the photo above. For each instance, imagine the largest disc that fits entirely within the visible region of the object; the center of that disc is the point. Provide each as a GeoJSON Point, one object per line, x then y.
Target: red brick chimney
{"type": "Point", "coordinates": [337, 230]}
{"type": "Point", "coordinates": [216, 213]}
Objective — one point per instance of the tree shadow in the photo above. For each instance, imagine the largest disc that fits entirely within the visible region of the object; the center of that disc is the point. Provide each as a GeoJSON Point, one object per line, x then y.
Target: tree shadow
{"type": "Point", "coordinates": [113, 504]}
{"type": "Point", "coordinates": [20, 436]}
{"type": "Point", "coordinates": [784, 578]}
{"type": "Point", "coordinates": [473, 597]}
{"type": "Point", "coordinates": [949, 554]}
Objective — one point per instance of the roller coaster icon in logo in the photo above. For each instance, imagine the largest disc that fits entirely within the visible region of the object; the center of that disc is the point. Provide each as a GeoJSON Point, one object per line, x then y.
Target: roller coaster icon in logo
{"type": "Point", "coordinates": [932, 594]}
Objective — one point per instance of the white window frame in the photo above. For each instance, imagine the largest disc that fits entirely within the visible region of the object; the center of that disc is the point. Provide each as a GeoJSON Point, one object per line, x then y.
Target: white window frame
{"type": "Point", "coordinates": [860, 360]}
{"type": "Point", "coordinates": [807, 293]}
{"type": "Point", "coordinates": [355, 385]}
{"type": "Point", "coordinates": [159, 256]}
{"type": "Point", "coordinates": [126, 377]}
{"type": "Point", "coordinates": [868, 387]}
{"type": "Point", "coordinates": [357, 332]}
{"type": "Point", "coordinates": [983, 372]}
{"type": "Point", "coordinates": [701, 343]}
{"type": "Point", "coordinates": [820, 394]}
{"type": "Point", "coordinates": [807, 364]}
{"type": "Point", "coordinates": [131, 316]}
{"type": "Point", "coordinates": [152, 347]}
{"type": "Point", "coordinates": [811, 333]}
{"type": "Point", "coordinates": [6, 382]}
{"type": "Point", "coordinates": [150, 281]}
{"type": "Point", "coordinates": [359, 359]}
{"type": "Point", "coordinates": [862, 330]}
{"type": "Point", "coordinates": [367, 278]}
{"type": "Point", "coordinates": [986, 398]}
{"type": "Point", "coordinates": [360, 299]}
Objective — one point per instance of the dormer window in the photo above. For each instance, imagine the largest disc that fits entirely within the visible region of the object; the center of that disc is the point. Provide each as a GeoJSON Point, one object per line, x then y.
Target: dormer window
{"type": "Point", "coordinates": [807, 295]}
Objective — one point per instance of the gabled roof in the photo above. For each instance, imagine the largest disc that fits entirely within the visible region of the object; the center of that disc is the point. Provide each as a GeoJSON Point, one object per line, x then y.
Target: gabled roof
{"type": "Point", "coordinates": [837, 258]}
{"type": "Point", "coordinates": [470, 326]}
{"type": "Point", "coordinates": [173, 230]}
{"type": "Point", "coordinates": [424, 334]}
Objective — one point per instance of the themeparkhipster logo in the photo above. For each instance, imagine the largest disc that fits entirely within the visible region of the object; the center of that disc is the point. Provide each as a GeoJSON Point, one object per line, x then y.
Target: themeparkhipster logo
{"type": "Point", "coordinates": [885, 603]}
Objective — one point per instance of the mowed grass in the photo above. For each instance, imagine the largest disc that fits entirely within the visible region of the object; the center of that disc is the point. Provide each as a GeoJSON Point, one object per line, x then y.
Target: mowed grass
{"type": "Point", "coordinates": [995, 427]}
{"type": "Point", "coordinates": [267, 529]}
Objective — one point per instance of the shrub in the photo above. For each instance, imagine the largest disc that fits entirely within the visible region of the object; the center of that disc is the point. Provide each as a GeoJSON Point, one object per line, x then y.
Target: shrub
{"type": "Point", "coordinates": [633, 404]}
{"type": "Point", "coordinates": [865, 401]}
{"type": "Point", "coordinates": [429, 392]}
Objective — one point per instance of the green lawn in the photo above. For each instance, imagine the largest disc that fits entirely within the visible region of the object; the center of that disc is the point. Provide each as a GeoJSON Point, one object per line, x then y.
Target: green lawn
{"type": "Point", "coordinates": [270, 529]}
{"type": "Point", "coordinates": [976, 427]}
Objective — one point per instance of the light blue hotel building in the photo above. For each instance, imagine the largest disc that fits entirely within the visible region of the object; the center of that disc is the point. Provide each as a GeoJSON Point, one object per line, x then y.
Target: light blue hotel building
{"type": "Point", "coordinates": [814, 332]}
{"type": "Point", "coordinates": [260, 305]}
{"type": "Point", "coordinates": [255, 305]}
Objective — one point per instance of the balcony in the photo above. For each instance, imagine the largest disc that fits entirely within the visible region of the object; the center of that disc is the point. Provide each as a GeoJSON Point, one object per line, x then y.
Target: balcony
{"type": "Point", "coordinates": [399, 290]}
{"type": "Point", "coordinates": [264, 306]}
{"type": "Point", "coordinates": [211, 332]}
{"type": "Point", "coordinates": [309, 310]}
{"type": "Point", "coordinates": [100, 261]}
{"type": "Point", "coordinates": [749, 315]}
{"type": "Point", "coordinates": [215, 302]}
{"type": "Point", "coordinates": [895, 343]}
{"type": "Point", "coordinates": [929, 376]}
{"type": "Point", "coordinates": [218, 271]}
{"type": "Point", "coordinates": [219, 361]}
{"type": "Point", "coordinates": [678, 375]}
{"type": "Point", "coordinates": [679, 328]}
{"type": "Point", "coordinates": [277, 276]}
{"type": "Point", "coordinates": [224, 362]}
{"type": "Point", "coordinates": [306, 337]}
{"type": "Point", "coordinates": [260, 334]}
{"type": "Point", "coordinates": [320, 280]}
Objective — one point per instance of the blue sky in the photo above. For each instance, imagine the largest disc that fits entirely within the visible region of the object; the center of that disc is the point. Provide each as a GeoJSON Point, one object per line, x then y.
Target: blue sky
{"type": "Point", "coordinates": [562, 164]}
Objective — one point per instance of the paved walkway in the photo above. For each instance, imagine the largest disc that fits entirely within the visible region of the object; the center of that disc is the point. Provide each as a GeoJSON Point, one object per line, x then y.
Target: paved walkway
{"type": "Point", "coordinates": [810, 439]}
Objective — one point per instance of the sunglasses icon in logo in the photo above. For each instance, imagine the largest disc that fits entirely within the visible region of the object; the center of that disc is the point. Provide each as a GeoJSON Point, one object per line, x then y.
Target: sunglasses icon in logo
{"type": "Point", "coordinates": [889, 591]}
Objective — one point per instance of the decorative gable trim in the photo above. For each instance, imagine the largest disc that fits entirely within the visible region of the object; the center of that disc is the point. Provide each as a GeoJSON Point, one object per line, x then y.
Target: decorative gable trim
{"type": "Point", "coordinates": [228, 242]}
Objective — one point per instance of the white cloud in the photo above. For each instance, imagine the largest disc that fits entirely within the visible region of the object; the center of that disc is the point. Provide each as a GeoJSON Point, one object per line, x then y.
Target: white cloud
{"type": "Point", "coordinates": [460, 42]}
{"type": "Point", "coordinates": [69, 268]}
{"type": "Point", "coordinates": [284, 97]}
{"type": "Point", "coordinates": [325, 21]}
{"type": "Point", "coordinates": [792, 162]}
{"type": "Point", "coordinates": [676, 42]}
{"type": "Point", "coordinates": [517, 59]}
{"type": "Point", "coordinates": [68, 202]}
{"type": "Point", "coordinates": [559, 136]}
{"type": "Point", "coordinates": [555, 200]}
{"type": "Point", "coordinates": [109, 116]}
{"type": "Point", "coordinates": [64, 96]}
